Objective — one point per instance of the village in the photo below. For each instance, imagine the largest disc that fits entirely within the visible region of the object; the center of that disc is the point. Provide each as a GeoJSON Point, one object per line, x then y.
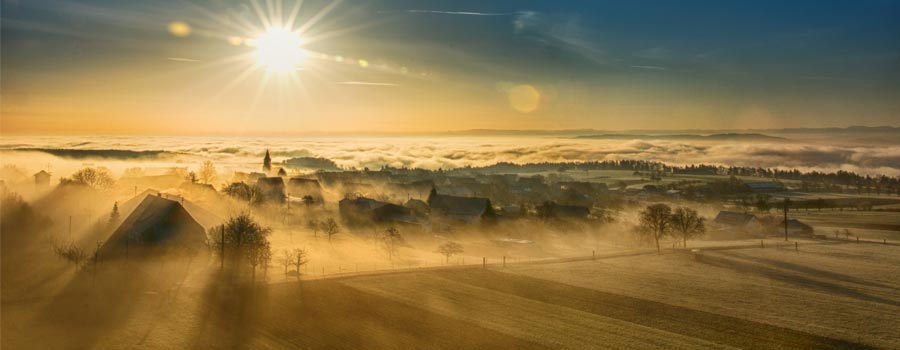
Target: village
{"type": "Point", "coordinates": [190, 234]}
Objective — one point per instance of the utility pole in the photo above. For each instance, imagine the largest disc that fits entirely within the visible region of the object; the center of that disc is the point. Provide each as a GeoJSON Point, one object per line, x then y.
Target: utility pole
{"type": "Point", "coordinates": [70, 227]}
{"type": "Point", "coordinates": [222, 242]}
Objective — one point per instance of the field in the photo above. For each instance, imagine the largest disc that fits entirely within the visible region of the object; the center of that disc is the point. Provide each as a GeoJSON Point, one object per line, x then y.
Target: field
{"type": "Point", "coordinates": [826, 295]}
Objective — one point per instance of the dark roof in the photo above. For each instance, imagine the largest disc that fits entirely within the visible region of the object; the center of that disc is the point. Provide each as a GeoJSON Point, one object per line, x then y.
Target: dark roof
{"type": "Point", "coordinates": [167, 218]}
{"type": "Point", "coordinates": [299, 181]}
{"type": "Point", "coordinates": [270, 181]}
{"type": "Point", "coordinates": [796, 225]}
{"type": "Point", "coordinates": [361, 204]}
{"type": "Point", "coordinates": [733, 218]}
{"type": "Point", "coordinates": [571, 210]}
{"type": "Point", "coordinates": [41, 173]}
{"type": "Point", "coordinates": [458, 206]}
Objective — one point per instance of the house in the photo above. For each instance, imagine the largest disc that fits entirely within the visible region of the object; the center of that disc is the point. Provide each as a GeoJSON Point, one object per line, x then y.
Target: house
{"type": "Point", "coordinates": [571, 211]}
{"type": "Point", "coordinates": [271, 189]}
{"type": "Point", "coordinates": [742, 222]}
{"type": "Point", "coordinates": [362, 210]}
{"type": "Point", "coordinates": [156, 222]}
{"type": "Point", "coordinates": [300, 187]}
{"type": "Point", "coordinates": [417, 205]}
{"type": "Point", "coordinates": [41, 180]}
{"type": "Point", "coordinates": [462, 209]}
{"type": "Point", "coordinates": [796, 227]}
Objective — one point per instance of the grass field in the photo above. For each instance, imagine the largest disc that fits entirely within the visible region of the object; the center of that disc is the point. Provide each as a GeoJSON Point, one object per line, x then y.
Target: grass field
{"type": "Point", "coordinates": [826, 295]}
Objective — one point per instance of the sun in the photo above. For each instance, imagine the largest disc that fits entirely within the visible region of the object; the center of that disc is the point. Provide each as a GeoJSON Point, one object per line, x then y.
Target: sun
{"type": "Point", "coordinates": [279, 50]}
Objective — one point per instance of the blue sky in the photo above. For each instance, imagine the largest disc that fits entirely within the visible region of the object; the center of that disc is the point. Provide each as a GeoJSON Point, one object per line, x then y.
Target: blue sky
{"type": "Point", "coordinates": [599, 64]}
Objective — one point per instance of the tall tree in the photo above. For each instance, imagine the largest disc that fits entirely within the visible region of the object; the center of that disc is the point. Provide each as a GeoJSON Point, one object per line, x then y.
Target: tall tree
{"type": "Point", "coordinates": [391, 240]}
{"type": "Point", "coordinates": [687, 224]}
{"type": "Point", "coordinates": [208, 172]}
{"type": "Point", "coordinates": [655, 222]}
{"type": "Point", "coordinates": [114, 214]}
{"type": "Point", "coordinates": [330, 228]}
{"type": "Point", "coordinates": [243, 240]}
{"type": "Point", "coordinates": [449, 249]}
{"type": "Point", "coordinates": [97, 178]}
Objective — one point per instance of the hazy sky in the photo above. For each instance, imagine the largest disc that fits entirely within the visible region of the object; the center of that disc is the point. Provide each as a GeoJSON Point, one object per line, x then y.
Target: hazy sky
{"type": "Point", "coordinates": [190, 67]}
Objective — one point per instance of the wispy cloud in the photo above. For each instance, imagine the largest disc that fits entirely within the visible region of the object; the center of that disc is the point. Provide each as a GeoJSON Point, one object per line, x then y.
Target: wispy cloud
{"type": "Point", "coordinates": [181, 59]}
{"type": "Point", "coordinates": [455, 13]}
{"type": "Point", "coordinates": [564, 32]}
{"type": "Point", "coordinates": [365, 83]}
{"type": "Point", "coordinates": [650, 67]}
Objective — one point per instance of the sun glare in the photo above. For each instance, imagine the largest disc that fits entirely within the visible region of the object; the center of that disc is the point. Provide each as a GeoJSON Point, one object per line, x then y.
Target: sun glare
{"type": "Point", "coordinates": [279, 50]}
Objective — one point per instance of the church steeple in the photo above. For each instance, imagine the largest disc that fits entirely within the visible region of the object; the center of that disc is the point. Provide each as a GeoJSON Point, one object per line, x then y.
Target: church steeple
{"type": "Point", "coordinates": [267, 162]}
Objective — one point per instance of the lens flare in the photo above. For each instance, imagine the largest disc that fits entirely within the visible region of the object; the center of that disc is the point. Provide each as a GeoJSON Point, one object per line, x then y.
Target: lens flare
{"type": "Point", "coordinates": [179, 29]}
{"type": "Point", "coordinates": [524, 98]}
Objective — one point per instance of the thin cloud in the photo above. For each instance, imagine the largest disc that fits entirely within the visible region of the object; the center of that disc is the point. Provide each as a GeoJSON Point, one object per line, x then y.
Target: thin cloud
{"type": "Point", "coordinates": [650, 67]}
{"type": "Point", "coordinates": [181, 59]}
{"type": "Point", "coordinates": [454, 13]}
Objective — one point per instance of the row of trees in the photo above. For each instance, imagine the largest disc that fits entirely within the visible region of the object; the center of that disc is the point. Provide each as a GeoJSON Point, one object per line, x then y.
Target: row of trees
{"type": "Point", "coordinates": [659, 220]}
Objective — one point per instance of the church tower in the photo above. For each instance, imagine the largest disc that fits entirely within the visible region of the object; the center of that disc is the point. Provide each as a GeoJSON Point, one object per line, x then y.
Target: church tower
{"type": "Point", "coordinates": [267, 163]}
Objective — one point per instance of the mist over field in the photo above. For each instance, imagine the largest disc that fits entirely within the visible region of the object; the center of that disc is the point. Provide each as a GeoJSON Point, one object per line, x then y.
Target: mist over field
{"type": "Point", "coordinates": [819, 152]}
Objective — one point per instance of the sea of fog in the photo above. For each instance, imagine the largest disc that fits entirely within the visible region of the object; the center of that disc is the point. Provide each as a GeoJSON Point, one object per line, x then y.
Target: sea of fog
{"type": "Point", "coordinates": [32, 153]}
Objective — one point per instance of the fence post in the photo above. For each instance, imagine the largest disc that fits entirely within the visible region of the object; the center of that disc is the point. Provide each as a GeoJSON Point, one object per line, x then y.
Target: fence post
{"type": "Point", "coordinates": [483, 262]}
{"type": "Point", "coordinates": [796, 247]}
{"type": "Point", "coordinates": [593, 255]}
{"type": "Point", "coordinates": [885, 241]}
{"type": "Point", "coordinates": [761, 245]}
{"type": "Point", "coordinates": [504, 261]}
{"type": "Point", "coordinates": [857, 239]}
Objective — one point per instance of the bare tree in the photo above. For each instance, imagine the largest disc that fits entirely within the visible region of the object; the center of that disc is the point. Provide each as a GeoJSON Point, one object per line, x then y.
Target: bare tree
{"type": "Point", "coordinates": [314, 225]}
{"type": "Point", "coordinates": [97, 178]}
{"type": "Point", "coordinates": [449, 249]}
{"type": "Point", "coordinates": [299, 258]}
{"type": "Point", "coordinates": [191, 176]}
{"type": "Point", "coordinates": [70, 252]}
{"type": "Point", "coordinates": [208, 172]}
{"type": "Point", "coordinates": [286, 259]}
{"type": "Point", "coordinates": [330, 228]}
{"type": "Point", "coordinates": [687, 224]}
{"type": "Point", "coordinates": [655, 222]}
{"type": "Point", "coordinates": [390, 240]}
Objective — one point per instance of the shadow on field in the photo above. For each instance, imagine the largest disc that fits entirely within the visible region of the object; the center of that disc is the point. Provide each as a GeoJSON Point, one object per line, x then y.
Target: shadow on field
{"type": "Point", "coordinates": [749, 266]}
{"type": "Point", "coordinates": [326, 314]}
{"type": "Point", "coordinates": [712, 327]}
{"type": "Point", "coordinates": [809, 270]}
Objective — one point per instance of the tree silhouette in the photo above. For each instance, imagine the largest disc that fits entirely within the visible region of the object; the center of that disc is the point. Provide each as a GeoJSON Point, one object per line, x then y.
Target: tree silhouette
{"type": "Point", "coordinates": [449, 249]}
{"type": "Point", "coordinates": [655, 222]}
{"type": "Point", "coordinates": [687, 224]}
{"type": "Point", "coordinates": [330, 228]}
{"type": "Point", "coordinates": [208, 172]}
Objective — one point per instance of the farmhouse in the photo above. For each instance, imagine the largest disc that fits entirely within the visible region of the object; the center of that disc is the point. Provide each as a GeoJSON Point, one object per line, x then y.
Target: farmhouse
{"type": "Point", "coordinates": [42, 180]}
{"type": "Point", "coordinates": [156, 221]}
{"type": "Point", "coordinates": [741, 222]}
{"type": "Point", "coordinates": [300, 187]}
{"type": "Point", "coordinates": [463, 209]}
{"type": "Point", "coordinates": [362, 210]}
{"type": "Point", "coordinates": [271, 188]}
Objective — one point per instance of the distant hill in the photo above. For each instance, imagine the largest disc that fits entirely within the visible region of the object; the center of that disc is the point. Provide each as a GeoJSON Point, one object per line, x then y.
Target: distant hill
{"type": "Point", "coordinates": [713, 137]}
{"type": "Point", "coordinates": [94, 153]}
